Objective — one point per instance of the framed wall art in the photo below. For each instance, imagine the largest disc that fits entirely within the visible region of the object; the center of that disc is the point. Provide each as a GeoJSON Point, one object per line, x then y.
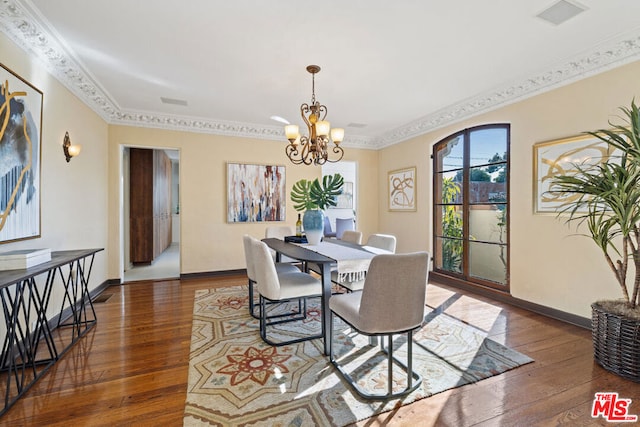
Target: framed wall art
{"type": "Point", "coordinates": [402, 190]}
{"type": "Point", "coordinates": [345, 200]}
{"type": "Point", "coordinates": [255, 193]}
{"type": "Point", "coordinates": [560, 157]}
{"type": "Point", "coordinates": [20, 154]}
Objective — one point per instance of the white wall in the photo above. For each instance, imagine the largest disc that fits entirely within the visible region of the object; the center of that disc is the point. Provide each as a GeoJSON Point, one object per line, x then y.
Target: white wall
{"type": "Point", "coordinates": [74, 203]}
{"type": "Point", "coordinates": [550, 265]}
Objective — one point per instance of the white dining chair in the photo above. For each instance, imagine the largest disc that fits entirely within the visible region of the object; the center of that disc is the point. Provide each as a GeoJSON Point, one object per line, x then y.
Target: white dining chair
{"type": "Point", "coordinates": [352, 236]}
{"type": "Point", "coordinates": [280, 232]}
{"type": "Point", "coordinates": [382, 241]}
{"type": "Point", "coordinates": [281, 268]}
{"type": "Point", "coordinates": [344, 224]}
{"type": "Point", "coordinates": [277, 288]}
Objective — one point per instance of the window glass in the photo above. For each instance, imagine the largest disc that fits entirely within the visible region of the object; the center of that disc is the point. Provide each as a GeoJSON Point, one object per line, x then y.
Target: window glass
{"type": "Point", "coordinates": [471, 188]}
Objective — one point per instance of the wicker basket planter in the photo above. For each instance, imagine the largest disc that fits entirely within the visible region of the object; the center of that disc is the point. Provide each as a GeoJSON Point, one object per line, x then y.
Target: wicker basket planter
{"type": "Point", "coordinates": [616, 342]}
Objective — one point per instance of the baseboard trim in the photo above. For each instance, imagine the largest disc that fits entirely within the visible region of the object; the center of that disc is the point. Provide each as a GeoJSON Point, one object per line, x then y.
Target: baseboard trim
{"type": "Point", "coordinates": [213, 274]}
{"type": "Point", "coordinates": [504, 297]}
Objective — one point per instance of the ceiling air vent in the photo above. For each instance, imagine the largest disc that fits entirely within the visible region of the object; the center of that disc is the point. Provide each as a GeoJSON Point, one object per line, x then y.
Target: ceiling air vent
{"type": "Point", "coordinates": [173, 101]}
{"type": "Point", "coordinates": [561, 11]}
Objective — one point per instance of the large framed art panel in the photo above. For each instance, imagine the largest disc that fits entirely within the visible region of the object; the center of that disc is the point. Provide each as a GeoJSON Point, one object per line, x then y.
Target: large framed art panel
{"type": "Point", "coordinates": [255, 193]}
{"type": "Point", "coordinates": [560, 157]}
{"type": "Point", "coordinates": [20, 154]}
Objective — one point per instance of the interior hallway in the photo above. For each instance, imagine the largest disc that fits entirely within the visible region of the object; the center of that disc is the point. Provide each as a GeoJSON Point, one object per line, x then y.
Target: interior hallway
{"type": "Point", "coordinates": [165, 266]}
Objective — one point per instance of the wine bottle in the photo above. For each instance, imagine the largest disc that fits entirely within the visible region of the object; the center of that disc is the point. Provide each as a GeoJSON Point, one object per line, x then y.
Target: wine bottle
{"type": "Point", "coordinates": [299, 227]}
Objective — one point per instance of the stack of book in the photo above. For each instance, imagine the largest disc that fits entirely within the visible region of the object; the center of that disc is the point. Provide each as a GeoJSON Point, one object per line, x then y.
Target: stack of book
{"type": "Point", "coordinates": [296, 239]}
{"type": "Point", "coordinates": [23, 258]}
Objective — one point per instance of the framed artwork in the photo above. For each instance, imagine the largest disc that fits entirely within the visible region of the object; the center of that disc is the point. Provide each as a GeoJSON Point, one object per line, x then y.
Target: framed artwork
{"type": "Point", "coordinates": [560, 157]}
{"type": "Point", "coordinates": [20, 154]}
{"type": "Point", "coordinates": [402, 190]}
{"type": "Point", "coordinates": [345, 200]}
{"type": "Point", "coordinates": [255, 193]}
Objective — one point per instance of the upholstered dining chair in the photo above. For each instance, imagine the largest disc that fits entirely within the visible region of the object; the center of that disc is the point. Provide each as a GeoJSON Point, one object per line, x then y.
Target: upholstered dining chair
{"type": "Point", "coordinates": [386, 242]}
{"type": "Point", "coordinates": [382, 241]}
{"type": "Point", "coordinates": [328, 231]}
{"type": "Point", "coordinates": [392, 302]}
{"type": "Point", "coordinates": [344, 224]}
{"type": "Point", "coordinates": [274, 287]}
{"type": "Point", "coordinates": [280, 232]}
{"type": "Point", "coordinates": [352, 236]}
{"type": "Point", "coordinates": [281, 268]}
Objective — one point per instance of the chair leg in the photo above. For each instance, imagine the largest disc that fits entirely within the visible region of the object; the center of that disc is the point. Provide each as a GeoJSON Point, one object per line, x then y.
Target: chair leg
{"type": "Point", "coordinates": [251, 302]}
{"type": "Point", "coordinates": [390, 367]}
{"type": "Point", "coordinates": [302, 314]}
{"type": "Point", "coordinates": [331, 335]}
{"type": "Point", "coordinates": [391, 360]}
{"type": "Point", "coordinates": [252, 306]}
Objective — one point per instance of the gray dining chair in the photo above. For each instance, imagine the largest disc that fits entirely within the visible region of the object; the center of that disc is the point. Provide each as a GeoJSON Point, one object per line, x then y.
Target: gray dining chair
{"type": "Point", "coordinates": [352, 236]}
{"type": "Point", "coordinates": [392, 302]}
{"type": "Point", "coordinates": [281, 268]}
{"type": "Point", "coordinates": [275, 288]}
{"type": "Point", "coordinates": [382, 241]}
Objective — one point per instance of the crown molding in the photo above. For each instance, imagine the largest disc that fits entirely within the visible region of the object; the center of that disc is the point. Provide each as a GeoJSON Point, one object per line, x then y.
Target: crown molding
{"type": "Point", "coordinates": [622, 50]}
{"type": "Point", "coordinates": [23, 24]}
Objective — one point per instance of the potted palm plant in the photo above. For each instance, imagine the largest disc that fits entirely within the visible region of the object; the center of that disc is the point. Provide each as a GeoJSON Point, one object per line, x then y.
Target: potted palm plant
{"type": "Point", "coordinates": [312, 197]}
{"type": "Point", "coordinates": [607, 202]}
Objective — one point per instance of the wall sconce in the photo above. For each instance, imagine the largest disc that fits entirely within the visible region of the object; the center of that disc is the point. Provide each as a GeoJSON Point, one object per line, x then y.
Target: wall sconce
{"type": "Point", "coordinates": [70, 150]}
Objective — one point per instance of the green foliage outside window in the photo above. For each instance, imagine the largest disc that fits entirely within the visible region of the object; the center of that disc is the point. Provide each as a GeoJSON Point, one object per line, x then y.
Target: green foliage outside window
{"type": "Point", "coordinates": [451, 227]}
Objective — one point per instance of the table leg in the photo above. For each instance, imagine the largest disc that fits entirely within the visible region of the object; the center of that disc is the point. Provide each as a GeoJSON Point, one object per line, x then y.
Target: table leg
{"type": "Point", "coordinates": [325, 271]}
{"type": "Point", "coordinates": [76, 282]}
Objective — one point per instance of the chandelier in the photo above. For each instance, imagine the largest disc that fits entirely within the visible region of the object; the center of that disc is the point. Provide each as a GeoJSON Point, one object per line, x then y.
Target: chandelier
{"type": "Point", "coordinates": [313, 148]}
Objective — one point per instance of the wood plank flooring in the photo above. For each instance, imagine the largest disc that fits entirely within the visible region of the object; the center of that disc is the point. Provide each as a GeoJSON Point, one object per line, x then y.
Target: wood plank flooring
{"type": "Point", "coordinates": [131, 369]}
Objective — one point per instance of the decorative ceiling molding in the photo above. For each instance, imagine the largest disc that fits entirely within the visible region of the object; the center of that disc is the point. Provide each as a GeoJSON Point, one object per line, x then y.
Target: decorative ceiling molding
{"type": "Point", "coordinates": [215, 127]}
{"type": "Point", "coordinates": [605, 57]}
{"type": "Point", "coordinates": [23, 24]}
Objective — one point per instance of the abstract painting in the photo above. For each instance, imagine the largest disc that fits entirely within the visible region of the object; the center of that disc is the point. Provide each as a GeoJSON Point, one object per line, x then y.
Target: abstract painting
{"type": "Point", "coordinates": [402, 190]}
{"type": "Point", "coordinates": [20, 142]}
{"type": "Point", "coordinates": [560, 157]}
{"type": "Point", "coordinates": [255, 193]}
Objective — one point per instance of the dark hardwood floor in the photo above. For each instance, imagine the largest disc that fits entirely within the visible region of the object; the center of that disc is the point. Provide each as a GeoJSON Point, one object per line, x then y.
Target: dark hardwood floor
{"type": "Point", "coordinates": [131, 368]}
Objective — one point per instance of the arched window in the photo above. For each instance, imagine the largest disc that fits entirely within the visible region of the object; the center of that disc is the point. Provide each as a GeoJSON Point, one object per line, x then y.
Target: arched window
{"type": "Point", "coordinates": [471, 206]}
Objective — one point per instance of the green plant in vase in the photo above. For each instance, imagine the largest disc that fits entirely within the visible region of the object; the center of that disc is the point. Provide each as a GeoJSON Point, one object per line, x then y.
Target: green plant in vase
{"type": "Point", "coordinates": [312, 197]}
{"type": "Point", "coordinates": [606, 198]}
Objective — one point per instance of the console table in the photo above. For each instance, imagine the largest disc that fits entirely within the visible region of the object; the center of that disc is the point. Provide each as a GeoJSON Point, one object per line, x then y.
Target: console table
{"type": "Point", "coordinates": [29, 346]}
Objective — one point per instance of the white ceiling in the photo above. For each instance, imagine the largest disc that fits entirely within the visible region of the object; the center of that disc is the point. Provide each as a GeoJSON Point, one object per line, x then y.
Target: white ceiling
{"type": "Point", "coordinates": [400, 68]}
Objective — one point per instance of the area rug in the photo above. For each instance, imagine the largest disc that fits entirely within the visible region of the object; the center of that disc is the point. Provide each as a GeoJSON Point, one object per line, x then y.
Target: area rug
{"type": "Point", "coordinates": [235, 379]}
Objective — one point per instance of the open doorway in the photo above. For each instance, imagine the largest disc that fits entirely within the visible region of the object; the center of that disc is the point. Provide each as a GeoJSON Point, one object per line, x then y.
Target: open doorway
{"type": "Point", "coordinates": [150, 214]}
{"type": "Point", "coordinates": [346, 207]}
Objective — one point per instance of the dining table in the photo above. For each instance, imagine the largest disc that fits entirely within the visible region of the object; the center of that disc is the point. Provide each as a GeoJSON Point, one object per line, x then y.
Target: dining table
{"type": "Point", "coordinates": [329, 254]}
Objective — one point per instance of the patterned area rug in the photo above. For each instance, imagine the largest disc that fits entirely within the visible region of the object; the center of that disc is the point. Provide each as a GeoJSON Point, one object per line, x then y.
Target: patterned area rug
{"type": "Point", "coordinates": [235, 379]}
